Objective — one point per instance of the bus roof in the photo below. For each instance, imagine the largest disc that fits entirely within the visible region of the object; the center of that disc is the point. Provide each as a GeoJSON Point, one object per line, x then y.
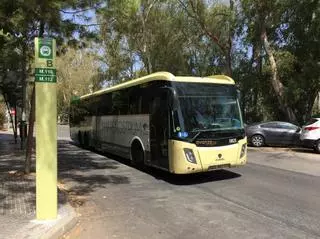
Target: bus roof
{"type": "Point", "coordinates": [165, 76]}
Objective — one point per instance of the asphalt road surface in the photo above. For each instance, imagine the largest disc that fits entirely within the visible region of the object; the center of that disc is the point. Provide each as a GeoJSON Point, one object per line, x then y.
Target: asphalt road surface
{"type": "Point", "coordinates": [259, 200]}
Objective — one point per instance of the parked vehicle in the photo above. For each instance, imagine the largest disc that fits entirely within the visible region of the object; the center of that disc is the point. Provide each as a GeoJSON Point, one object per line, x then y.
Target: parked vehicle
{"type": "Point", "coordinates": [310, 135]}
{"type": "Point", "coordinates": [273, 133]}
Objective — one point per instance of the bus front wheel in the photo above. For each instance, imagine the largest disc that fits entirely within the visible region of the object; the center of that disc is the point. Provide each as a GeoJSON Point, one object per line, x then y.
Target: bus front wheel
{"type": "Point", "coordinates": [137, 153]}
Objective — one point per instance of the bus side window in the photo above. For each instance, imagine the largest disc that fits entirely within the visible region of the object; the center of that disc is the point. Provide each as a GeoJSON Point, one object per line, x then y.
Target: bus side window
{"type": "Point", "coordinates": [144, 100]}
{"type": "Point", "coordinates": [104, 105]}
{"type": "Point", "coordinates": [120, 102]}
{"type": "Point", "coordinates": [134, 101]}
{"type": "Point", "coordinates": [73, 117]}
{"type": "Point", "coordinates": [92, 107]}
{"type": "Point", "coordinates": [155, 106]}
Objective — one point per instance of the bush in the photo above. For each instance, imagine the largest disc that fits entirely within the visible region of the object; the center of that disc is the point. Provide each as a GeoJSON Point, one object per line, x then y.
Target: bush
{"type": "Point", "coordinates": [2, 119]}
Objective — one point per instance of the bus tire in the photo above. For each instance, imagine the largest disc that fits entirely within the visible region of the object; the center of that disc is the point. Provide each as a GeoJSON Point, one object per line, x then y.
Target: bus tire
{"type": "Point", "coordinates": [137, 153]}
{"type": "Point", "coordinates": [86, 140]}
{"type": "Point", "coordinates": [80, 138]}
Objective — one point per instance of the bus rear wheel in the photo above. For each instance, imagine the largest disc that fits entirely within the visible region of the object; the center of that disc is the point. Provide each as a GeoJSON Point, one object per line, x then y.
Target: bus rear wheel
{"type": "Point", "coordinates": [137, 153]}
{"type": "Point", "coordinates": [86, 140]}
{"type": "Point", "coordinates": [80, 138]}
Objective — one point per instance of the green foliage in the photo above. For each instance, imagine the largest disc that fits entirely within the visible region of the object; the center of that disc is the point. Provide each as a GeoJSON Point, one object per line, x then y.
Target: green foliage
{"type": "Point", "coordinates": [2, 114]}
{"type": "Point", "coordinates": [2, 120]}
{"type": "Point", "coordinates": [185, 37]}
{"type": "Point", "coordinates": [78, 75]}
{"type": "Point", "coordinates": [293, 33]}
{"type": "Point", "coordinates": [21, 22]}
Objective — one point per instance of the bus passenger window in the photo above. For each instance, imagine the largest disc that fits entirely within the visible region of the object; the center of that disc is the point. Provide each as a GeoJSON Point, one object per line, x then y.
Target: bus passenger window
{"type": "Point", "coordinates": [133, 105]}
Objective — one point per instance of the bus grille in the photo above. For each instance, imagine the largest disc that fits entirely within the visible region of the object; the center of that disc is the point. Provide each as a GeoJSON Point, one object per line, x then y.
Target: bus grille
{"type": "Point", "coordinates": [219, 166]}
{"type": "Point", "coordinates": [217, 142]}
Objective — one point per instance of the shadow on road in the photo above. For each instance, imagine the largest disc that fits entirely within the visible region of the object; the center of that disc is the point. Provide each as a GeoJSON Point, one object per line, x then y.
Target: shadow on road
{"type": "Point", "coordinates": [73, 158]}
{"type": "Point", "coordinates": [281, 148]}
{"type": "Point", "coordinates": [75, 168]}
{"type": "Point", "coordinates": [199, 178]}
{"type": "Point", "coordinates": [304, 150]}
{"type": "Point", "coordinates": [189, 179]}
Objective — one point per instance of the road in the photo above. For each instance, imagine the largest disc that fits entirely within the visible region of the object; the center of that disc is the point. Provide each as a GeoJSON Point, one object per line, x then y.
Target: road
{"type": "Point", "coordinates": [276, 195]}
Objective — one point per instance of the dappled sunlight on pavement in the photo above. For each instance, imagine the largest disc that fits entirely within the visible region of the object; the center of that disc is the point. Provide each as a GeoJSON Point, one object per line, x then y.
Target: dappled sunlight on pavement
{"type": "Point", "coordinates": [80, 172]}
{"type": "Point", "coordinates": [17, 190]}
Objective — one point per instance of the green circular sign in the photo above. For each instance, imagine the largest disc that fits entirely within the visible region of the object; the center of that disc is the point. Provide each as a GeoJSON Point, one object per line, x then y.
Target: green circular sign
{"type": "Point", "coordinates": [45, 51]}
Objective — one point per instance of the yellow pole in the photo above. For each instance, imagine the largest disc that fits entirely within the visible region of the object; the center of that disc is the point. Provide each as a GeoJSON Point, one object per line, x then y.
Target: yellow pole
{"type": "Point", "coordinates": [46, 129]}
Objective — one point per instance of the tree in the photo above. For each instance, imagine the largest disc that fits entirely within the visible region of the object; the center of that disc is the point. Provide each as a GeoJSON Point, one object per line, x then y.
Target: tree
{"type": "Point", "coordinates": [25, 20]}
{"type": "Point", "coordinates": [216, 22]}
{"type": "Point", "coordinates": [302, 36]}
{"type": "Point", "coordinates": [78, 74]}
{"type": "Point", "coordinates": [285, 47]}
{"type": "Point", "coordinates": [10, 74]}
{"type": "Point", "coordinates": [126, 34]}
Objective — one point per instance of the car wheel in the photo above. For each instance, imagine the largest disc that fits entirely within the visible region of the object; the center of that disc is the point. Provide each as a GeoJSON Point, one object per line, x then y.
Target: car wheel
{"type": "Point", "coordinates": [257, 140]}
{"type": "Point", "coordinates": [317, 146]}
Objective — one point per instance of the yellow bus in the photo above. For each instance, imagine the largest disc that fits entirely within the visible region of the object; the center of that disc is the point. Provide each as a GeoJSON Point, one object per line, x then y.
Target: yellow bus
{"type": "Point", "coordinates": [176, 123]}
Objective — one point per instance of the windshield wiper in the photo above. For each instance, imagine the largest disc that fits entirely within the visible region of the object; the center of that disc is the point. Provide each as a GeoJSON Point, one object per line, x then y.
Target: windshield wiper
{"type": "Point", "coordinates": [206, 130]}
{"type": "Point", "coordinates": [194, 137]}
{"type": "Point", "coordinates": [198, 132]}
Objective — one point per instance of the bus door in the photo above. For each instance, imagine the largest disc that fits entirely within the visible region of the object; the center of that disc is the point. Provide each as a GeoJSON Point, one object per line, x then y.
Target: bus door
{"type": "Point", "coordinates": [159, 128]}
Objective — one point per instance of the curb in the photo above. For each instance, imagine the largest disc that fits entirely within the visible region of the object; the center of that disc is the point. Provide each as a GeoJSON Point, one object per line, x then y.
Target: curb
{"type": "Point", "coordinates": [67, 223]}
{"type": "Point", "coordinates": [269, 149]}
{"type": "Point", "coordinates": [50, 229]}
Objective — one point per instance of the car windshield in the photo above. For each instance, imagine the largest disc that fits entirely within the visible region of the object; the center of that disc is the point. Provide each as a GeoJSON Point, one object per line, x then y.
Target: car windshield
{"type": "Point", "coordinates": [208, 107]}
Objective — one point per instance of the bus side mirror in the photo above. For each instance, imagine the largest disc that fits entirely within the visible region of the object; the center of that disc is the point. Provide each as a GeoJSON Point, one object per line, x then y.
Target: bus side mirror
{"type": "Point", "coordinates": [238, 95]}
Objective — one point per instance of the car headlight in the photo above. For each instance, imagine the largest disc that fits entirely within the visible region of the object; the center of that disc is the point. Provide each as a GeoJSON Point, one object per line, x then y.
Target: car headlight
{"type": "Point", "coordinates": [189, 155]}
{"type": "Point", "coordinates": [243, 150]}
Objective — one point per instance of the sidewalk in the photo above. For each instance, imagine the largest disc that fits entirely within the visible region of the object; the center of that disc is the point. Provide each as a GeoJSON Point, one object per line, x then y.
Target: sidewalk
{"type": "Point", "coordinates": [18, 199]}
{"type": "Point", "coordinates": [293, 159]}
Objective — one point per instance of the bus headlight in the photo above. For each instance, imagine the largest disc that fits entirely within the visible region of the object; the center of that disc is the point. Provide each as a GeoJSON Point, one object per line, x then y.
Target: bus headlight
{"type": "Point", "coordinates": [189, 155]}
{"type": "Point", "coordinates": [243, 150]}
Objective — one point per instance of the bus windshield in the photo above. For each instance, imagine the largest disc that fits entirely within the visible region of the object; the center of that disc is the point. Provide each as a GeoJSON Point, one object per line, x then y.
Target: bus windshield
{"type": "Point", "coordinates": [207, 108]}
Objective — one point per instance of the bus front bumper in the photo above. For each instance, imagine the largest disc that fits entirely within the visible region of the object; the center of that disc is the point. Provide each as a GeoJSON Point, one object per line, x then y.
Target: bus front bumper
{"type": "Point", "coordinates": [185, 158]}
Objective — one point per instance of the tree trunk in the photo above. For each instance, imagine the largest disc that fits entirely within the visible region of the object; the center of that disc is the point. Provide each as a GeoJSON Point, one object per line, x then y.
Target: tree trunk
{"type": "Point", "coordinates": [276, 83]}
{"type": "Point", "coordinates": [147, 61]}
{"type": "Point", "coordinates": [229, 48]}
{"type": "Point", "coordinates": [24, 98]}
{"type": "Point", "coordinates": [27, 166]}
{"type": "Point", "coordinates": [14, 124]}
{"type": "Point", "coordinates": [228, 62]}
{"type": "Point", "coordinates": [149, 65]}
{"type": "Point", "coordinates": [311, 101]}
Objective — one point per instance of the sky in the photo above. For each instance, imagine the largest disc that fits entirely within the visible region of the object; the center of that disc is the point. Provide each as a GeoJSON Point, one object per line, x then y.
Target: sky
{"type": "Point", "coordinates": [80, 19]}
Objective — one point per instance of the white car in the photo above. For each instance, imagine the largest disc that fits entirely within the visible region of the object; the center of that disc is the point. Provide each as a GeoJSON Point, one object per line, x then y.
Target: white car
{"type": "Point", "coordinates": [310, 135]}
